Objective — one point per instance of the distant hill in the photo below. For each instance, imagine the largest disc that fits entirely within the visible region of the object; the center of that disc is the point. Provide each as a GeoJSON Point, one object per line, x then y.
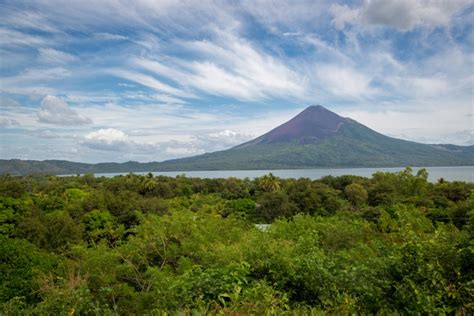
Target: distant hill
{"type": "Point", "coordinates": [315, 138]}
{"type": "Point", "coordinates": [58, 167]}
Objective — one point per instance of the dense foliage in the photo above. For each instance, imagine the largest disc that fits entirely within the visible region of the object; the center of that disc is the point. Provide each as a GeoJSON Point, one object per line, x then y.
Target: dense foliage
{"type": "Point", "coordinates": [146, 245]}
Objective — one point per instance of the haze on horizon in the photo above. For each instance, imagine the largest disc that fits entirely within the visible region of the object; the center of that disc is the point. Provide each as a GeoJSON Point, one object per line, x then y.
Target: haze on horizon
{"type": "Point", "coordinates": [148, 81]}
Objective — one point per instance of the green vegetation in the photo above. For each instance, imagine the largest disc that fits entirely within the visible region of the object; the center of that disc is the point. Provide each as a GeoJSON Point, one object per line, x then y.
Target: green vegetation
{"type": "Point", "coordinates": [145, 245]}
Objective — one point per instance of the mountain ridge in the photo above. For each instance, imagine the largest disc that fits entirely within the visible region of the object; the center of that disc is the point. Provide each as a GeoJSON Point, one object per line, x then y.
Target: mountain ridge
{"type": "Point", "coordinates": [315, 138]}
{"type": "Point", "coordinates": [341, 142]}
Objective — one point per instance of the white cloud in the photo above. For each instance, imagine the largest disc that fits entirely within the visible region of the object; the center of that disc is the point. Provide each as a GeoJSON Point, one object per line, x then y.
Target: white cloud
{"type": "Point", "coordinates": [6, 102]}
{"type": "Point", "coordinates": [4, 123]}
{"type": "Point", "coordinates": [152, 97]}
{"type": "Point", "coordinates": [344, 82]}
{"type": "Point", "coordinates": [9, 37]}
{"type": "Point", "coordinates": [407, 14]}
{"type": "Point", "coordinates": [38, 151]}
{"type": "Point", "coordinates": [148, 81]}
{"type": "Point", "coordinates": [286, 16]}
{"type": "Point", "coordinates": [183, 151]}
{"type": "Point", "coordinates": [232, 67]}
{"type": "Point", "coordinates": [53, 56]}
{"type": "Point", "coordinates": [123, 143]}
{"type": "Point", "coordinates": [160, 17]}
{"type": "Point", "coordinates": [118, 141]}
{"type": "Point", "coordinates": [221, 140]}
{"type": "Point", "coordinates": [42, 74]}
{"type": "Point", "coordinates": [465, 137]}
{"type": "Point", "coordinates": [259, 72]}
{"type": "Point", "coordinates": [47, 134]}
{"type": "Point", "coordinates": [108, 135]}
{"type": "Point", "coordinates": [23, 19]}
{"type": "Point", "coordinates": [110, 37]}
{"type": "Point", "coordinates": [160, 118]}
{"type": "Point", "coordinates": [342, 15]}
{"type": "Point", "coordinates": [205, 142]}
{"type": "Point", "coordinates": [434, 122]}
{"type": "Point", "coordinates": [424, 86]}
{"type": "Point", "coordinates": [108, 139]}
{"type": "Point", "coordinates": [111, 139]}
{"type": "Point", "coordinates": [55, 111]}
{"type": "Point", "coordinates": [34, 81]}
{"type": "Point", "coordinates": [404, 15]}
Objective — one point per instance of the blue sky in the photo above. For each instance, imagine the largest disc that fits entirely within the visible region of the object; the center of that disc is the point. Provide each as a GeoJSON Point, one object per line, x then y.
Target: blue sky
{"type": "Point", "coordinates": [152, 80]}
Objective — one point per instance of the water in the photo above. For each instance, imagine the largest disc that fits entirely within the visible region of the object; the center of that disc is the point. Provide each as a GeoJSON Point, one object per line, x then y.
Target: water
{"type": "Point", "coordinates": [447, 173]}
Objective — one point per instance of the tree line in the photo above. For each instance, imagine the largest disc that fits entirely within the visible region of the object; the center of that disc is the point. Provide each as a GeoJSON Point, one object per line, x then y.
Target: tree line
{"type": "Point", "coordinates": [145, 244]}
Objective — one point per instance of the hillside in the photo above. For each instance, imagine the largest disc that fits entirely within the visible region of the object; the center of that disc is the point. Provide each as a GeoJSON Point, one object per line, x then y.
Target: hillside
{"type": "Point", "coordinates": [315, 138]}
{"type": "Point", "coordinates": [318, 137]}
{"type": "Point", "coordinates": [391, 244]}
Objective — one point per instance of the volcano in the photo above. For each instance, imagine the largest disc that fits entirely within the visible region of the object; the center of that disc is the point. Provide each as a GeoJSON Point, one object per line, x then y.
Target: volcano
{"type": "Point", "coordinates": [312, 125]}
{"type": "Point", "coordinates": [315, 138]}
{"type": "Point", "coordinates": [318, 138]}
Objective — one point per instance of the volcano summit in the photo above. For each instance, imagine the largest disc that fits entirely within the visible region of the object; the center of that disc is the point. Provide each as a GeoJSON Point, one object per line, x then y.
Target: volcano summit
{"type": "Point", "coordinates": [310, 126]}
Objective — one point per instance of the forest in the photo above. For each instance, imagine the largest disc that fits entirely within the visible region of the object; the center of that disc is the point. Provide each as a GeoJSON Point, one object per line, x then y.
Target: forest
{"type": "Point", "coordinates": [393, 243]}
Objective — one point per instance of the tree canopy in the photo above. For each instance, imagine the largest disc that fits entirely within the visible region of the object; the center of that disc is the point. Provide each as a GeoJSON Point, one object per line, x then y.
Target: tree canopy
{"type": "Point", "coordinates": [145, 245]}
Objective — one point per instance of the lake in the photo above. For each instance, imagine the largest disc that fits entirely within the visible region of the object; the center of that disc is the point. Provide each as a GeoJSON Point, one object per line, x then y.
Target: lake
{"type": "Point", "coordinates": [448, 173]}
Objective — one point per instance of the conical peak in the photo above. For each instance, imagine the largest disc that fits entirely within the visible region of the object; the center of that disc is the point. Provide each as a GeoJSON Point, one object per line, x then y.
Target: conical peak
{"type": "Point", "coordinates": [311, 125]}
{"type": "Point", "coordinates": [318, 115]}
{"type": "Point", "coordinates": [317, 108]}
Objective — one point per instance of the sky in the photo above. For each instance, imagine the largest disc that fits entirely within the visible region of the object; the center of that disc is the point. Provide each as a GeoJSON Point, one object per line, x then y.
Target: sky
{"type": "Point", "coordinates": [95, 81]}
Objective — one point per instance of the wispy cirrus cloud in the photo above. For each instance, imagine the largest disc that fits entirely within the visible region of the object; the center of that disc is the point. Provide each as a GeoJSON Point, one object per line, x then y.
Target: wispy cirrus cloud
{"type": "Point", "coordinates": [34, 81]}
{"type": "Point", "coordinates": [110, 36]}
{"type": "Point", "coordinates": [53, 56]}
{"type": "Point", "coordinates": [10, 37]}
{"type": "Point", "coordinates": [345, 82]}
{"type": "Point", "coordinates": [229, 67]}
{"type": "Point", "coordinates": [148, 81]}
